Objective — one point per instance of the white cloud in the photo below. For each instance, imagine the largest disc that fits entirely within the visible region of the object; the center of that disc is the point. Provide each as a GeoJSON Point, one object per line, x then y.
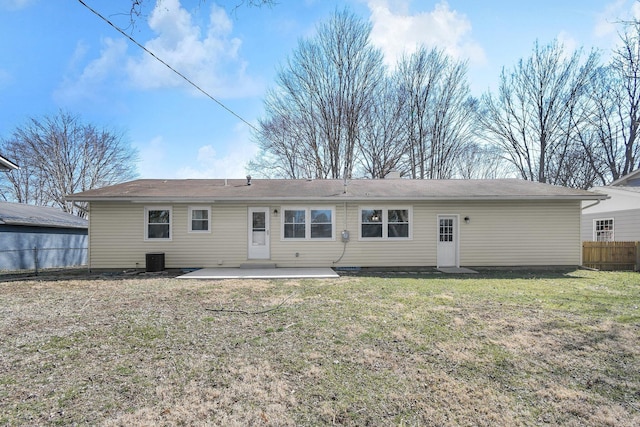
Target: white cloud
{"type": "Point", "coordinates": [635, 10]}
{"type": "Point", "coordinates": [5, 78]}
{"type": "Point", "coordinates": [397, 31]}
{"type": "Point", "coordinates": [211, 60]}
{"type": "Point", "coordinates": [607, 20]}
{"type": "Point", "coordinates": [15, 4]}
{"type": "Point", "coordinates": [210, 163]}
{"type": "Point", "coordinates": [609, 24]}
{"type": "Point", "coordinates": [152, 155]}
{"type": "Point", "coordinates": [83, 86]}
{"type": "Point", "coordinates": [568, 42]}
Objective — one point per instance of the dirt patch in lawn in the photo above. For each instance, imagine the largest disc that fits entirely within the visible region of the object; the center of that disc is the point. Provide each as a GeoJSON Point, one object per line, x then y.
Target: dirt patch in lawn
{"type": "Point", "coordinates": [560, 350]}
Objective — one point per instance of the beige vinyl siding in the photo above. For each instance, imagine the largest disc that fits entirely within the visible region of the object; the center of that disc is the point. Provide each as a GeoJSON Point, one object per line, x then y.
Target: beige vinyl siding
{"type": "Point", "coordinates": [311, 252]}
{"type": "Point", "coordinates": [117, 237]}
{"type": "Point", "coordinates": [500, 233]}
{"type": "Point", "coordinates": [360, 253]}
{"type": "Point", "coordinates": [520, 233]}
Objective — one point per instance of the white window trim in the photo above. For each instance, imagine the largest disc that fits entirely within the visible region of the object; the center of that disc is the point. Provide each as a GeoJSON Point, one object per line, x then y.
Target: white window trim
{"type": "Point", "coordinates": [385, 222]}
{"type": "Point", "coordinates": [146, 222]}
{"type": "Point", "coordinates": [613, 229]}
{"type": "Point", "coordinates": [307, 223]}
{"type": "Point", "coordinates": [190, 219]}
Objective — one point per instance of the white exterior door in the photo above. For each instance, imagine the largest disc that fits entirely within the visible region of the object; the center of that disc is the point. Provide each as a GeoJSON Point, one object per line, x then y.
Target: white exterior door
{"type": "Point", "coordinates": [259, 233]}
{"type": "Point", "coordinates": [448, 241]}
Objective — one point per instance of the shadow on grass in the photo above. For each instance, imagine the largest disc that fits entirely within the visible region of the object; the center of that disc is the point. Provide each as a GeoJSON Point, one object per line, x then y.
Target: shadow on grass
{"type": "Point", "coordinates": [431, 273]}
{"type": "Point", "coordinates": [480, 273]}
{"type": "Point", "coordinates": [82, 273]}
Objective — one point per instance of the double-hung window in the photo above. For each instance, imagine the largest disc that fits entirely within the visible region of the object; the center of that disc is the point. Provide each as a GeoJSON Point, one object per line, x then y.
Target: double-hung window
{"type": "Point", "coordinates": [295, 223]}
{"type": "Point", "coordinates": [308, 223]}
{"type": "Point", "coordinates": [603, 230]}
{"type": "Point", "coordinates": [385, 223]}
{"type": "Point", "coordinates": [157, 223]}
{"type": "Point", "coordinates": [199, 219]}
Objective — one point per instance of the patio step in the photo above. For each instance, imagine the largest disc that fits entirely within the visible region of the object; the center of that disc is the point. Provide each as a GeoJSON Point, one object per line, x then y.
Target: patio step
{"type": "Point", "coordinates": [255, 265]}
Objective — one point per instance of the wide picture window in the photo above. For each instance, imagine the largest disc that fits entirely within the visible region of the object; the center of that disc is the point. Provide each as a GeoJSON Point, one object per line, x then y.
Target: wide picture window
{"type": "Point", "coordinates": [307, 223]}
{"type": "Point", "coordinates": [385, 223]}
{"type": "Point", "coordinates": [158, 223]}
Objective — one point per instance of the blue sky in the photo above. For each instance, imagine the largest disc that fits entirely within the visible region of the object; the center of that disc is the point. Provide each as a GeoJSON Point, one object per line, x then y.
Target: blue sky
{"type": "Point", "coordinates": [58, 55]}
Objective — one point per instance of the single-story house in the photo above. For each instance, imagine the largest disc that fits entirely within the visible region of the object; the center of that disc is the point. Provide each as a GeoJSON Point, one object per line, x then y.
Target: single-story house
{"type": "Point", "coordinates": [36, 237]}
{"type": "Point", "coordinates": [333, 223]}
{"type": "Point", "coordinates": [616, 219]}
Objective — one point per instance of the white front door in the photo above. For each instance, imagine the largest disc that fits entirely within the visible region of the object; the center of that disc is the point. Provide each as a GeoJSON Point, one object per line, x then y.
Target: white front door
{"type": "Point", "coordinates": [448, 241]}
{"type": "Point", "coordinates": [259, 233]}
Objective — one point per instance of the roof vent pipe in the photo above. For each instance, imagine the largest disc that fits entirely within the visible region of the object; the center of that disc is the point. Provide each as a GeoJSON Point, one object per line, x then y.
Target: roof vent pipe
{"type": "Point", "coordinates": [248, 179]}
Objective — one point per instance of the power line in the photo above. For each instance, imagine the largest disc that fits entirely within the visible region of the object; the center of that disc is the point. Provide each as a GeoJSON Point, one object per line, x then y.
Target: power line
{"type": "Point", "coordinates": [185, 78]}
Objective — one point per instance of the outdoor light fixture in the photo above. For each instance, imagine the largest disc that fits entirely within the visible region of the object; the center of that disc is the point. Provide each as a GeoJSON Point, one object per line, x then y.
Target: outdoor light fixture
{"type": "Point", "coordinates": [275, 212]}
{"type": "Point", "coordinates": [467, 219]}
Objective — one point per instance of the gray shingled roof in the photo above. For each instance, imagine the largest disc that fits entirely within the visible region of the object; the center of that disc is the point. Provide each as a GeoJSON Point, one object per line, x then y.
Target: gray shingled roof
{"type": "Point", "coordinates": [38, 216]}
{"type": "Point", "coordinates": [188, 190]}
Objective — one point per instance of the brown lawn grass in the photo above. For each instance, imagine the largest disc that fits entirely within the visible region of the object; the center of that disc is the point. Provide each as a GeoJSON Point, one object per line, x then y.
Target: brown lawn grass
{"type": "Point", "coordinates": [556, 348]}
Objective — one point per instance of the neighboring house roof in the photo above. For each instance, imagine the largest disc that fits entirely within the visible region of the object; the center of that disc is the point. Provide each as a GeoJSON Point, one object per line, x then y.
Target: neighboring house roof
{"type": "Point", "coordinates": [38, 216]}
{"type": "Point", "coordinates": [620, 199]}
{"type": "Point", "coordinates": [624, 194]}
{"type": "Point", "coordinates": [7, 165]}
{"type": "Point", "coordinates": [629, 180]}
{"type": "Point", "coordinates": [194, 190]}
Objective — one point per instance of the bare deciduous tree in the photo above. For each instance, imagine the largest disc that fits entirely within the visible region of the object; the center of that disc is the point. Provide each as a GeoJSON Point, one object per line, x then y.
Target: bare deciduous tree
{"type": "Point", "coordinates": [60, 155]}
{"type": "Point", "coordinates": [139, 7]}
{"type": "Point", "coordinates": [437, 112]}
{"type": "Point", "coordinates": [535, 114]}
{"type": "Point", "coordinates": [382, 142]}
{"type": "Point", "coordinates": [479, 161]}
{"type": "Point", "coordinates": [322, 94]}
{"type": "Point", "coordinates": [626, 65]}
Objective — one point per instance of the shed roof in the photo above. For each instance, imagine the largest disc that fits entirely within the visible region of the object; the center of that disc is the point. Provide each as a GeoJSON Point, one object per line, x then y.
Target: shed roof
{"type": "Point", "coordinates": [38, 216]}
{"type": "Point", "coordinates": [237, 190]}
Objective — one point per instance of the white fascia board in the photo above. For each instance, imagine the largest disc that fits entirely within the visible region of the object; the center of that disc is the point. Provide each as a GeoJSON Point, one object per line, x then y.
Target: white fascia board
{"type": "Point", "coordinates": [332, 199]}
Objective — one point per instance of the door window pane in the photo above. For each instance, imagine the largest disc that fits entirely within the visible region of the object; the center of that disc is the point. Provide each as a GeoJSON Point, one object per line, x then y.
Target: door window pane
{"type": "Point", "coordinates": [446, 230]}
{"type": "Point", "coordinates": [259, 230]}
{"type": "Point", "coordinates": [259, 221]}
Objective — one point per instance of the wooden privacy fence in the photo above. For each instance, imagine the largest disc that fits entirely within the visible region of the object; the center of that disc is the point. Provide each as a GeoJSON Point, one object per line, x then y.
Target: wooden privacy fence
{"type": "Point", "coordinates": [611, 255]}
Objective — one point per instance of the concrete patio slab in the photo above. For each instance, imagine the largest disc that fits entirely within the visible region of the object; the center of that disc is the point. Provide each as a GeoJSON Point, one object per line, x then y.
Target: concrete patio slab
{"type": "Point", "coordinates": [457, 270]}
{"type": "Point", "coordinates": [261, 273]}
